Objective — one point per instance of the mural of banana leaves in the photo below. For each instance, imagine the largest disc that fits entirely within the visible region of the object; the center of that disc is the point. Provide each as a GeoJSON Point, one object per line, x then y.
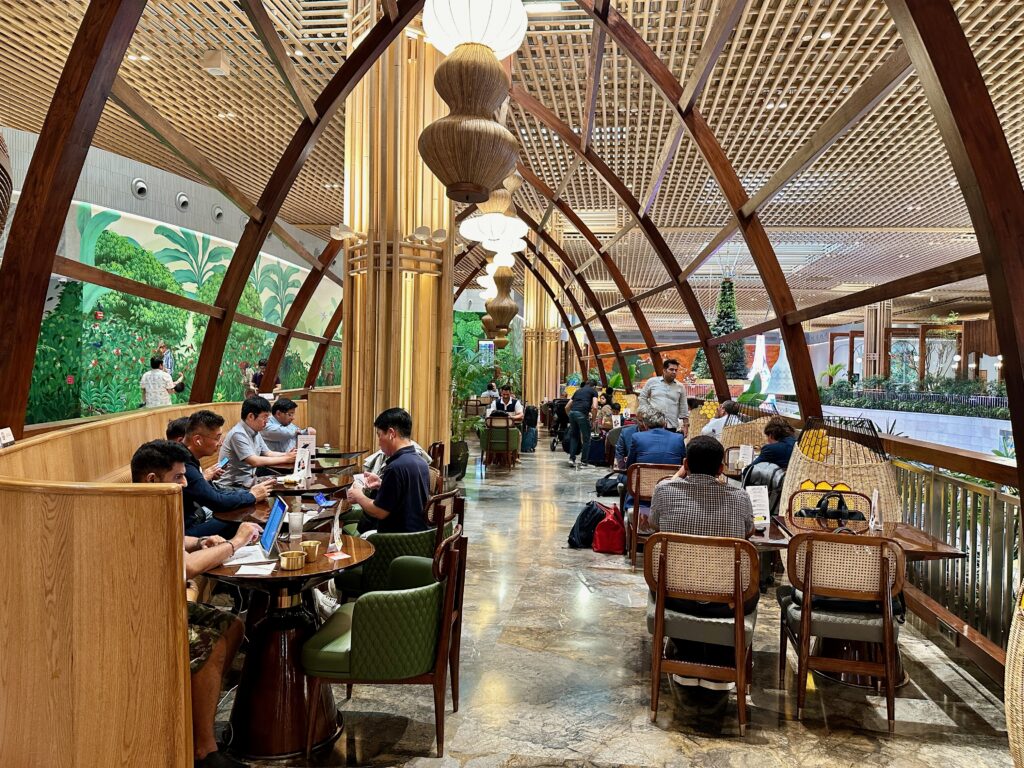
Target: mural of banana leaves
{"type": "Point", "coordinates": [277, 285]}
{"type": "Point", "coordinates": [89, 229]}
{"type": "Point", "coordinates": [193, 260]}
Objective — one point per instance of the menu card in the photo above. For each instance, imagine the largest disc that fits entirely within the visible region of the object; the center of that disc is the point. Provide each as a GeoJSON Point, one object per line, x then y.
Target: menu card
{"type": "Point", "coordinates": [759, 501]}
{"type": "Point", "coordinates": [746, 457]}
{"type": "Point", "coordinates": [308, 442]}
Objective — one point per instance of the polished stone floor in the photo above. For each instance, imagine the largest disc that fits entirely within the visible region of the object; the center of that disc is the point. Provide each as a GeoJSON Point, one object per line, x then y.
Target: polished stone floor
{"type": "Point", "coordinates": [556, 669]}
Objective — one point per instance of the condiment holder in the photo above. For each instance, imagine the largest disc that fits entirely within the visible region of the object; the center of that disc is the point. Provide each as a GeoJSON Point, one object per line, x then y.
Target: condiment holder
{"type": "Point", "coordinates": [312, 550]}
{"type": "Point", "coordinates": [293, 560]}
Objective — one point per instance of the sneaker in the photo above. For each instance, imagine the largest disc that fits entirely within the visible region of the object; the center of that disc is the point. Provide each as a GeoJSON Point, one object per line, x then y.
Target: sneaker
{"type": "Point", "coordinates": [718, 685]}
{"type": "Point", "coordinates": [572, 463]}
{"type": "Point", "coordinates": [689, 682]}
{"type": "Point", "coordinates": [326, 604]}
{"type": "Point", "coordinates": [219, 760]}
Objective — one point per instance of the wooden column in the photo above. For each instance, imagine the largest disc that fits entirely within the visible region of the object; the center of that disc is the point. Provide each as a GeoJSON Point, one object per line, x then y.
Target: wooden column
{"type": "Point", "coordinates": [397, 321]}
{"type": "Point", "coordinates": [984, 166]}
{"type": "Point", "coordinates": [541, 343]}
{"type": "Point", "coordinates": [922, 352]}
{"type": "Point", "coordinates": [64, 141]}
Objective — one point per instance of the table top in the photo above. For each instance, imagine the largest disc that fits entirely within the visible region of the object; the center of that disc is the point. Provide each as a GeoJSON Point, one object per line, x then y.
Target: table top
{"type": "Point", "coordinates": [916, 543]}
{"type": "Point", "coordinates": [358, 551]}
{"type": "Point", "coordinates": [260, 511]}
{"type": "Point", "coordinates": [336, 453]}
{"type": "Point", "coordinates": [319, 482]}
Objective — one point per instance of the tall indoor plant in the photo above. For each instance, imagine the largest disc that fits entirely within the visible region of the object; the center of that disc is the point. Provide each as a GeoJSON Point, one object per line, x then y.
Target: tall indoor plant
{"type": "Point", "coordinates": [467, 370]}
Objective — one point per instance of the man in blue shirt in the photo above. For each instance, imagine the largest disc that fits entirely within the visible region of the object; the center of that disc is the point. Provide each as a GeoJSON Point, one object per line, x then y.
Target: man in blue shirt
{"type": "Point", "coordinates": [781, 439]}
{"type": "Point", "coordinates": [394, 501]}
{"type": "Point", "coordinates": [656, 445]}
{"type": "Point", "coordinates": [282, 433]}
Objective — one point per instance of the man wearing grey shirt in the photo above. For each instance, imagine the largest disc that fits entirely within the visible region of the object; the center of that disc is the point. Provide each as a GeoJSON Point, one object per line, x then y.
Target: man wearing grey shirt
{"type": "Point", "coordinates": [245, 449]}
{"type": "Point", "coordinates": [667, 396]}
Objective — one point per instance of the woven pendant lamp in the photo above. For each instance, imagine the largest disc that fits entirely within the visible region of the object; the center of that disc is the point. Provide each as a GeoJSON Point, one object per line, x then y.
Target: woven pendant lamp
{"type": "Point", "coordinates": [467, 149]}
{"type": "Point", "coordinates": [500, 342]}
{"type": "Point", "coordinates": [503, 307]}
{"type": "Point", "coordinates": [488, 323]}
{"type": "Point", "coordinates": [498, 202]}
{"type": "Point", "coordinates": [6, 183]}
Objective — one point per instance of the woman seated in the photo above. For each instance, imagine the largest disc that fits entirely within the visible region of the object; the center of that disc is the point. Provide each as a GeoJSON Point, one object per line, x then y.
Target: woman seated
{"type": "Point", "coordinates": [780, 439]}
{"type": "Point", "coordinates": [604, 414]}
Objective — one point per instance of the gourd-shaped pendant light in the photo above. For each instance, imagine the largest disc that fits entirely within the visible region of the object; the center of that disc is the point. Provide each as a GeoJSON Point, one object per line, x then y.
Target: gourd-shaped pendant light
{"type": "Point", "coordinates": [469, 151]}
{"type": "Point", "coordinates": [503, 307]}
{"type": "Point", "coordinates": [6, 183]}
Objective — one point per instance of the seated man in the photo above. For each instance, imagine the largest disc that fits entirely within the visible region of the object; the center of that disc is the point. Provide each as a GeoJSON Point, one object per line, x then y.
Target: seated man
{"type": "Point", "coordinates": [213, 633]}
{"type": "Point", "coordinates": [492, 391]}
{"type": "Point", "coordinates": [245, 449]}
{"type": "Point", "coordinates": [716, 425]}
{"type": "Point", "coordinates": [507, 404]}
{"type": "Point", "coordinates": [282, 433]}
{"type": "Point", "coordinates": [203, 437]}
{"type": "Point", "coordinates": [656, 445]}
{"type": "Point", "coordinates": [781, 439]}
{"type": "Point", "coordinates": [695, 503]}
{"type": "Point", "coordinates": [400, 492]}
{"type": "Point", "coordinates": [625, 438]}
{"type": "Point", "coordinates": [176, 429]}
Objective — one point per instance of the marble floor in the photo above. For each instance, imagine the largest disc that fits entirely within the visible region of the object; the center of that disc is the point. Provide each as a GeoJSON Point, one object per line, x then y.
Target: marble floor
{"type": "Point", "coordinates": [556, 669]}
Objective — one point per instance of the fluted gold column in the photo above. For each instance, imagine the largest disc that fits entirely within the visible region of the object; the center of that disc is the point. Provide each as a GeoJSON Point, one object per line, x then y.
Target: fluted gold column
{"type": "Point", "coordinates": [541, 337]}
{"type": "Point", "coordinates": [397, 316]}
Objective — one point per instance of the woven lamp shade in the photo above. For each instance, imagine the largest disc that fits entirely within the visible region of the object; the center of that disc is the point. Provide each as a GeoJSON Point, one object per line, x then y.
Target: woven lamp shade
{"type": "Point", "coordinates": [498, 202]}
{"type": "Point", "coordinates": [468, 150]}
{"type": "Point", "coordinates": [1013, 693]}
{"type": "Point", "coordinates": [512, 183]}
{"type": "Point", "coordinates": [6, 183]}
{"type": "Point", "coordinates": [503, 308]}
{"type": "Point", "coordinates": [488, 323]}
{"type": "Point", "coordinates": [500, 342]}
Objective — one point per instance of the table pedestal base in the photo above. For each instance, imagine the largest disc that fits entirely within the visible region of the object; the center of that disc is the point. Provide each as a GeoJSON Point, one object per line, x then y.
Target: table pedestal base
{"type": "Point", "coordinates": [268, 720]}
{"type": "Point", "coordinates": [855, 650]}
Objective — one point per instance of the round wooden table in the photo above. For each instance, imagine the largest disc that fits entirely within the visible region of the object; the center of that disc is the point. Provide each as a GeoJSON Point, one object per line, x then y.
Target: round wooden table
{"type": "Point", "coordinates": [268, 720]}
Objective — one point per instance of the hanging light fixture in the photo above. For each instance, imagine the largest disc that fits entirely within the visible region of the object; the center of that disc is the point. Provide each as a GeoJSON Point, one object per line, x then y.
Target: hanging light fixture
{"type": "Point", "coordinates": [493, 227]}
{"type": "Point", "coordinates": [485, 281]}
{"type": "Point", "coordinates": [489, 293]}
{"type": "Point", "coordinates": [498, 24]}
{"type": "Point", "coordinates": [488, 322]}
{"type": "Point", "coordinates": [504, 259]}
{"type": "Point", "coordinates": [491, 268]}
{"type": "Point", "coordinates": [502, 307]}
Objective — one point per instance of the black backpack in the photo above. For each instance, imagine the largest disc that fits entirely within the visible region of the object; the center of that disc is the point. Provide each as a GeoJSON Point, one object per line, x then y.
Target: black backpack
{"type": "Point", "coordinates": [582, 534]}
{"type": "Point", "coordinates": [530, 416]}
{"type": "Point", "coordinates": [609, 484]}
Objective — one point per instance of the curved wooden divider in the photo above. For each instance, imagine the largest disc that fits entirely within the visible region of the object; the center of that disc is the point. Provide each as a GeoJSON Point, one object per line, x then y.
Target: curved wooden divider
{"type": "Point", "coordinates": [95, 668]}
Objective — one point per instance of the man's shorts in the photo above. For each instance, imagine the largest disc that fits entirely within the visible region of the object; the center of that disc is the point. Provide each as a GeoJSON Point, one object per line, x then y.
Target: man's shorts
{"type": "Point", "coordinates": [206, 625]}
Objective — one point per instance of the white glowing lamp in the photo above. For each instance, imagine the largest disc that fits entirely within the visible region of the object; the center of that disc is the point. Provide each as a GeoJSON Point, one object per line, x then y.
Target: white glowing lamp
{"type": "Point", "coordinates": [491, 268]}
{"type": "Point", "coordinates": [498, 24]}
{"type": "Point", "coordinates": [485, 281]}
{"type": "Point", "coordinates": [504, 259]}
{"type": "Point", "coordinates": [489, 293]}
{"type": "Point", "coordinates": [493, 227]}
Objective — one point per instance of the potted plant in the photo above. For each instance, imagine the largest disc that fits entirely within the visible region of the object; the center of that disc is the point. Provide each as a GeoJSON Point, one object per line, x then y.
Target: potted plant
{"type": "Point", "coordinates": [469, 373]}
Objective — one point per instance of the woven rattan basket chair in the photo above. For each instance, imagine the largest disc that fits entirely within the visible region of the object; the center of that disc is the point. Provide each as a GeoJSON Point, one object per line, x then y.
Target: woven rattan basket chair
{"type": "Point", "coordinates": [712, 570]}
{"type": "Point", "coordinates": [737, 433]}
{"type": "Point", "coordinates": [844, 451]}
{"type": "Point", "coordinates": [697, 422]}
{"type": "Point", "coordinates": [640, 482]}
{"type": "Point", "coordinates": [1014, 693]}
{"type": "Point", "coordinates": [860, 571]}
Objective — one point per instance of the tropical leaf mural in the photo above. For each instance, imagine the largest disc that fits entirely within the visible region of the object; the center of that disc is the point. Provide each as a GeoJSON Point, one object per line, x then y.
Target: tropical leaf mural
{"type": "Point", "coordinates": [277, 283]}
{"type": "Point", "coordinates": [193, 260]}
{"type": "Point", "coordinates": [90, 228]}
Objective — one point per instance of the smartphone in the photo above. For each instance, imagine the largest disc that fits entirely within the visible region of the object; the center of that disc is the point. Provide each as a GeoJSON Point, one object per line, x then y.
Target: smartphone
{"type": "Point", "coordinates": [223, 462]}
{"type": "Point", "coordinates": [323, 501]}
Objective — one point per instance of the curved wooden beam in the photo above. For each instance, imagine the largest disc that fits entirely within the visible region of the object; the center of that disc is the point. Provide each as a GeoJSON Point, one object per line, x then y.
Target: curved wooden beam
{"type": "Point", "coordinates": [561, 311]}
{"type": "Point", "coordinates": [760, 247]}
{"type": "Point", "coordinates": [647, 226]}
{"type": "Point", "coordinates": [321, 351]}
{"type": "Point", "coordinates": [620, 282]}
{"type": "Point", "coordinates": [377, 40]}
{"type": "Point", "coordinates": [298, 306]}
{"type": "Point", "coordinates": [53, 173]}
{"type": "Point", "coordinates": [984, 166]}
{"type": "Point", "coordinates": [608, 330]}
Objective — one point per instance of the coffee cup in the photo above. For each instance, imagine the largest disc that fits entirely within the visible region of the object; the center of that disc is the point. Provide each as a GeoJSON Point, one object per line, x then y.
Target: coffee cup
{"type": "Point", "coordinates": [292, 560]}
{"type": "Point", "coordinates": [312, 550]}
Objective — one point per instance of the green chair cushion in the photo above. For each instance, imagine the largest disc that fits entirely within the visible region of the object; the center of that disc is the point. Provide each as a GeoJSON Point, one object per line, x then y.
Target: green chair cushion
{"type": "Point", "coordinates": [700, 629]}
{"type": "Point", "coordinates": [329, 652]}
{"type": "Point", "coordinates": [409, 572]}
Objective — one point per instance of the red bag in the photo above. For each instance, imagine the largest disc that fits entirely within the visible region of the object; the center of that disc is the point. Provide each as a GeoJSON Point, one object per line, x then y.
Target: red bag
{"type": "Point", "coordinates": [610, 534]}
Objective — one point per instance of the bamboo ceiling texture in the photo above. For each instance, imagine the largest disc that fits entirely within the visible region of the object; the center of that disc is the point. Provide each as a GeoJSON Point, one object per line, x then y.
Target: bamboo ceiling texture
{"type": "Point", "coordinates": [879, 203]}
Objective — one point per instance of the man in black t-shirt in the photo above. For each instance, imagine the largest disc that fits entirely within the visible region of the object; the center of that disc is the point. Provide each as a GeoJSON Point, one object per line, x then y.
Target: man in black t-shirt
{"type": "Point", "coordinates": [580, 409]}
{"type": "Point", "coordinates": [400, 493]}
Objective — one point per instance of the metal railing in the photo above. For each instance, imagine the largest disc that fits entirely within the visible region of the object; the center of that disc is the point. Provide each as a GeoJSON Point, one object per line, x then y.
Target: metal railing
{"type": "Point", "coordinates": [982, 521]}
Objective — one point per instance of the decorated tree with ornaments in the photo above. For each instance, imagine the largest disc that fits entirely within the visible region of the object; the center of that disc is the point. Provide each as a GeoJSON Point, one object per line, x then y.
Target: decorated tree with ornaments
{"type": "Point", "coordinates": [734, 358]}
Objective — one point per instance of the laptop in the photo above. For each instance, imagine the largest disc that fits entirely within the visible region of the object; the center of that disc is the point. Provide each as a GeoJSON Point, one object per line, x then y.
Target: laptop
{"type": "Point", "coordinates": [265, 551]}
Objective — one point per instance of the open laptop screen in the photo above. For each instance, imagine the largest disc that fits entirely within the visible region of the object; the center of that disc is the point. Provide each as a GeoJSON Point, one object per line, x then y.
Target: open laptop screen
{"type": "Point", "coordinates": [273, 526]}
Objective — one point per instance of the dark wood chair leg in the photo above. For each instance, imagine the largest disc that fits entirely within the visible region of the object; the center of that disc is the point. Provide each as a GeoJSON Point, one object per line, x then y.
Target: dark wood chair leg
{"type": "Point", "coordinates": [782, 650]}
{"type": "Point", "coordinates": [657, 654]}
{"type": "Point", "coordinates": [311, 713]}
{"type": "Point", "coordinates": [348, 691]}
{"type": "Point", "coordinates": [890, 683]}
{"type": "Point", "coordinates": [739, 657]}
{"type": "Point", "coordinates": [804, 653]}
{"type": "Point", "coordinates": [750, 666]}
{"type": "Point", "coordinates": [453, 664]}
{"type": "Point", "coordinates": [439, 686]}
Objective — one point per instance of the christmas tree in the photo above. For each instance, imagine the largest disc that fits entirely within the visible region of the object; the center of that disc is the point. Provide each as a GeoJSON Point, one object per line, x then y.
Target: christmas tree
{"type": "Point", "coordinates": [734, 356]}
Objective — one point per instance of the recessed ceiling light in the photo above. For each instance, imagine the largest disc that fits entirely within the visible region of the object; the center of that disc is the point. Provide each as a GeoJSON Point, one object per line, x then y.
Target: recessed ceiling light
{"type": "Point", "coordinates": [825, 34]}
{"type": "Point", "coordinates": [769, 105]}
{"type": "Point", "coordinates": [808, 37]}
{"type": "Point", "coordinates": [143, 57]}
{"type": "Point", "coordinates": [132, 57]}
{"type": "Point", "coordinates": [783, 104]}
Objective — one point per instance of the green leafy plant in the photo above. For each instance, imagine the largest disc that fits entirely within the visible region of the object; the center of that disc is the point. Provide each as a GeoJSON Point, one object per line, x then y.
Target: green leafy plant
{"type": "Point", "coordinates": [752, 395]}
{"type": "Point", "coordinates": [727, 320]}
{"type": "Point", "coordinates": [90, 228]}
{"type": "Point", "coordinates": [281, 282]}
{"type": "Point", "coordinates": [201, 259]}
{"type": "Point", "coordinates": [467, 370]}
{"type": "Point", "coordinates": [830, 373]}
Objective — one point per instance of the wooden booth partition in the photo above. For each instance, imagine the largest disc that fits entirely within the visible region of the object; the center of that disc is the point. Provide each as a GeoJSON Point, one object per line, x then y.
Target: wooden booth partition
{"type": "Point", "coordinates": [93, 626]}
{"type": "Point", "coordinates": [325, 406]}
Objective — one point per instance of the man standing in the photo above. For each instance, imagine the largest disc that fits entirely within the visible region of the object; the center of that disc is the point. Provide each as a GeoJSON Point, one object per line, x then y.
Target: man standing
{"type": "Point", "coordinates": [257, 378]}
{"type": "Point", "coordinates": [282, 433]}
{"type": "Point", "coordinates": [581, 407]}
{"type": "Point", "coordinates": [164, 351]}
{"type": "Point", "coordinates": [695, 503]}
{"type": "Point", "coordinates": [204, 434]}
{"type": "Point", "coordinates": [393, 502]}
{"type": "Point", "coordinates": [213, 633]}
{"type": "Point", "coordinates": [507, 404]}
{"type": "Point", "coordinates": [245, 448]}
{"type": "Point", "coordinates": [667, 396]}
{"type": "Point", "coordinates": [157, 384]}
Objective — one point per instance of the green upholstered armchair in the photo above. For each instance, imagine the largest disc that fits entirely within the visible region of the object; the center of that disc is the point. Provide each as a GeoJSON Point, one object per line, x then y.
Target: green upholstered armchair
{"type": "Point", "coordinates": [405, 635]}
{"type": "Point", "coordinates": [499, 441]}
{"type": "Point", "coordinates": [374, 573]}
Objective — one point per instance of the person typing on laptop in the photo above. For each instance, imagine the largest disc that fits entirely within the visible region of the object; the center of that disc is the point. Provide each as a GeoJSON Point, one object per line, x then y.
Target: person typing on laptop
{"type": "Point", "coordinates": [245, 449]}
{"type": "Point", "coordinates": [213, 634]}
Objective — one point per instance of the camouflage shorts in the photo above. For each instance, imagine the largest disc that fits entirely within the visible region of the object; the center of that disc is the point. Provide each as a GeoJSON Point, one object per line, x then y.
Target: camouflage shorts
{"type": "Point", "coordinates": [206, 625]}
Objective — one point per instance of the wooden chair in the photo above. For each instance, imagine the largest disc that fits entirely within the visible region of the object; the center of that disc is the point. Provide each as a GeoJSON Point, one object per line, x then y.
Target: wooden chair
{"type": "Point", "coordinates": [444, 510]}
{"type": "Point", "coordinates": [805, 499]}
{"type": "Point", "coordinates": [640, 482]}
{"type": "Point", "coordinates": [609, 445]}
{"type": "Point", "coordinates": [436, 452]}
{"type": "Point", "coordinates": [500, 441]}
{"type": "Point", "coordinates": [710, 569]}
{"type": "Point", "coordinates": [400, 636]}
{"type": "Point", "coordinates": [436, 481]}
{"type": "Point", "coordinates": [865, 574]}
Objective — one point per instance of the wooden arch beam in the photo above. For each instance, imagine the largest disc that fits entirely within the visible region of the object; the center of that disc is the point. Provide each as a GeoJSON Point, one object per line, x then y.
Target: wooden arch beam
{"type": "Point", "coordinates": [298, 307]}
{"type": "Point", "coordinates": [53, 173]}
{"type": "Point", "coordinates": [760, 247]}
{"type": "Point", "coordinates": [620, 282]}
{"type": "Point", "coordinates": [984, 167]}
{"type": "Point", "coordinates": [377, 40]}
{"type": "Point", "coordinates": [654, 237]}
{"type": "Point", "coordinates": [321, 351]}
{"type": "Point", "coordinates": [561, 310]}
{"type": "Point", "coordinates": [609, 332]}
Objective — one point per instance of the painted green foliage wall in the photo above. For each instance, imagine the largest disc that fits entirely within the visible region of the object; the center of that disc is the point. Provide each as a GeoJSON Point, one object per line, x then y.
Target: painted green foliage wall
{"type": "Point", "coordinates": [96, 343]}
